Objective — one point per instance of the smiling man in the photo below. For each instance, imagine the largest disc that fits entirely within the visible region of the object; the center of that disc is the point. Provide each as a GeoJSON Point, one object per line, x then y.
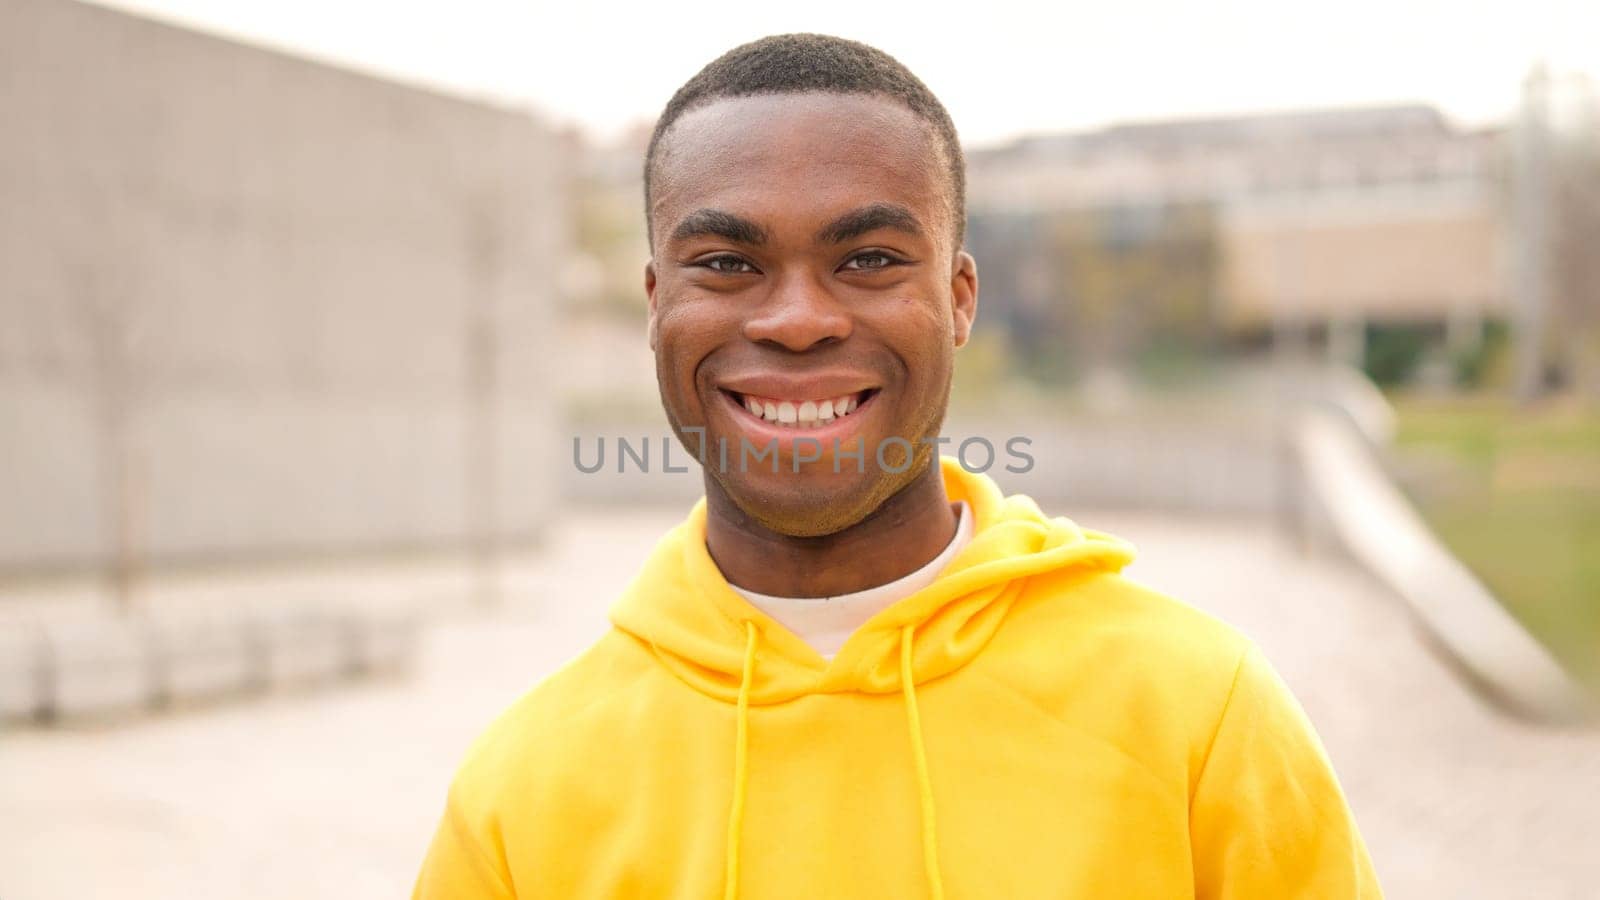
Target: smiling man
{"type": "Point", "coordinates": [856, 670]}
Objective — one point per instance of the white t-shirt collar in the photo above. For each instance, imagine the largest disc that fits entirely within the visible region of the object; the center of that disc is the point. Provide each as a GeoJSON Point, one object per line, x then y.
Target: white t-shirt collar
{"type": "Point", "coordinates": [827, 622]}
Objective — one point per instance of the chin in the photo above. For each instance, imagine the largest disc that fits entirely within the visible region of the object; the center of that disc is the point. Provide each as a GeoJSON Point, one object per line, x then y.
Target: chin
{"type": "Point", "coordinates": [816, 501]}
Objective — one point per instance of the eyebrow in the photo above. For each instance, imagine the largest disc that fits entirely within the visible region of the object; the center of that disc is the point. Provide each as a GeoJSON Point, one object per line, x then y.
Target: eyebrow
{"type": "Point", "coordinates": [857, 222]}
{"type": "Point", "coordinates": [717, 223]}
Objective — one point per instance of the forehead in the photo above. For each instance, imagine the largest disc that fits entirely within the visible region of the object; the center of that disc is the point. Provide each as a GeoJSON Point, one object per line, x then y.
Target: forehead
{"type": "Point", "coordinates": [798, 157]}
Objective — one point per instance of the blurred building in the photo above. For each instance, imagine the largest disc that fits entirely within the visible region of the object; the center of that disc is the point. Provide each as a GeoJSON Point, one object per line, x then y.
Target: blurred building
{"type": "Point", "coordinates": [1311, 225]}
{"type": "Point", "coordinates": [252, 305]}
{"type": "Point", "coordinates": [1555, 163]}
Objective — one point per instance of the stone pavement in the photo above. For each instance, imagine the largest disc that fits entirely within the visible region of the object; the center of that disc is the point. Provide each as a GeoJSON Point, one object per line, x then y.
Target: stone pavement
{"type": "Point", "coordinates": [333, 794]}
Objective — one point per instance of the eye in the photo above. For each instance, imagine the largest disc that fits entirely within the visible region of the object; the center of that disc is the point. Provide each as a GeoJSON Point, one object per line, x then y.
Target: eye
{"type": "Point", "coordinates": [728, 265]}
{"type": "Point", "coordinates": [869, 261]}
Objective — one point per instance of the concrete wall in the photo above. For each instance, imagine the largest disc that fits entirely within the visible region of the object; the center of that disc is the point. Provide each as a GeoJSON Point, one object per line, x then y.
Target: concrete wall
{"type": "Point", "coordinates": [252, 305]}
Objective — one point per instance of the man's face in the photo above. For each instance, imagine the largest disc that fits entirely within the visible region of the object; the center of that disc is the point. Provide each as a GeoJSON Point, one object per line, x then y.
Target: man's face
{"type": "Point", "coordinates": [805, 290]}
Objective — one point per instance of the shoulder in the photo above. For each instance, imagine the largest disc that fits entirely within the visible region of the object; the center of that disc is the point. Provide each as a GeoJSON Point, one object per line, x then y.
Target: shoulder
{"type": "Point", "coordinates": [1136, 666]}
{"type": "Point", "coordinates": [1108, 616]}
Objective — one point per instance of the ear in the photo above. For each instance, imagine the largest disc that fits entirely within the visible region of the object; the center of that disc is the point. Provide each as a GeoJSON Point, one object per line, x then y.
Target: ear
{"type": "Point", "coordinates": [650, 292]}
{"type": "Point", "coordinates": [964, 295]}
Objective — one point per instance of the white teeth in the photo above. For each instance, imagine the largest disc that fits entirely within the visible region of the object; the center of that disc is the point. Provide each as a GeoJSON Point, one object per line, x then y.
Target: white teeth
{"type": "Point", "coordinates": [807, 413]}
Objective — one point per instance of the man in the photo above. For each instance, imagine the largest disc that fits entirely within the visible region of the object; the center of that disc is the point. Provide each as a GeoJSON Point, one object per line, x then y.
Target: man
{"type": "Point", "coordinates": [857, 671]}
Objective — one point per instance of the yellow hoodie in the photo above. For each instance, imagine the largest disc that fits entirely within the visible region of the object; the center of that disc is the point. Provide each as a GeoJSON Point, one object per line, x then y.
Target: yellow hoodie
{"type": "Point", "coordinates": [1031, 725]}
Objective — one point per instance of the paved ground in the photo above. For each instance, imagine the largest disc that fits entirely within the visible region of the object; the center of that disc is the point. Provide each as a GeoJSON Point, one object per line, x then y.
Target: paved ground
{"type": "Point", "coordinates": [334, 794]}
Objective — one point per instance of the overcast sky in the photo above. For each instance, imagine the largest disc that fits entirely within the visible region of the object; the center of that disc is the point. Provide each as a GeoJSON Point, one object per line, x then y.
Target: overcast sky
{"type": "Point", "coordinates": [1002, 67]}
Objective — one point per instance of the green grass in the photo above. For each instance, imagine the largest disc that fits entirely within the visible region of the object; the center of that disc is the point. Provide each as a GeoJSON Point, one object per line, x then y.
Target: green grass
{"type": "Point", "coordinates": [1516, 495]}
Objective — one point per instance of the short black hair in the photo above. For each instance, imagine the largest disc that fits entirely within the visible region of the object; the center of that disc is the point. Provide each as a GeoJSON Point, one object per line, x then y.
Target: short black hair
{"type": "Point", "coordinates": [803, 63]}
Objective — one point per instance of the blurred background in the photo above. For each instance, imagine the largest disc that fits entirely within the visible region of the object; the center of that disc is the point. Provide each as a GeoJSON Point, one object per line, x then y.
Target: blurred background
{"type": "Point", "coordinates": [306, 309]}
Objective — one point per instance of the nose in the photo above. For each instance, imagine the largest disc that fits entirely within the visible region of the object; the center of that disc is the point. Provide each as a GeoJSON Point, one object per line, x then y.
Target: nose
{"type": "Point", "coordinates": [798, 314]}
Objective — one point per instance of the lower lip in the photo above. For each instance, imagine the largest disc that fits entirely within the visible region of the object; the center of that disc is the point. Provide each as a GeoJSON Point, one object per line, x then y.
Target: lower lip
{"type": "Point", "coordinates": [761, 432]}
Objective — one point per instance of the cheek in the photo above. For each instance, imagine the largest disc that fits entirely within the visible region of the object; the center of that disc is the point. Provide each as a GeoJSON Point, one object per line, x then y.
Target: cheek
{"type": "Point", "coordinates": [920, 332]}
{"type": "Point", "coordinates": [687, 331]}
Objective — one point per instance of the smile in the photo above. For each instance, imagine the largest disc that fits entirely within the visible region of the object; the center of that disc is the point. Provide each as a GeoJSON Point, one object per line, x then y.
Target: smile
{"type": "Point", "coordinates": [795, 413]}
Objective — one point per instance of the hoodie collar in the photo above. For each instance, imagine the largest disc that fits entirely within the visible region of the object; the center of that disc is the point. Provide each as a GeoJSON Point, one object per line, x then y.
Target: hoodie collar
{"type": "Point", "coordinates": [695, 623]}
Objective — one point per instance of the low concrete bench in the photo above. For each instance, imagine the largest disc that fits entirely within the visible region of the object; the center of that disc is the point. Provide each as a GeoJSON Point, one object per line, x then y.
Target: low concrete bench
{"type": "Point", "coordinates": [97, 668]}
{"type": "Point", "coordinates": [298, 649]}
{"type": "Point", "coordinates": [22, 672]}
{"type": "Point", "coordinates": [201, 659]}
{"type": "Point", "coordinates": [381, 644]}
{"type": "Point", "coordinates": [111, 667]}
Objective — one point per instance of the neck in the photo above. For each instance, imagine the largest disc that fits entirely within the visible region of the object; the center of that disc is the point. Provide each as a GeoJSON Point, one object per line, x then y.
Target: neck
{"type": "Point", "coordinates": [902, 535]}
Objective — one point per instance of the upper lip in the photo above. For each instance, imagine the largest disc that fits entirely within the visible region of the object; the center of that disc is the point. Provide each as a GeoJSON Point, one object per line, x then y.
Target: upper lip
{"type": "Point", "coordinates": [799, 387]}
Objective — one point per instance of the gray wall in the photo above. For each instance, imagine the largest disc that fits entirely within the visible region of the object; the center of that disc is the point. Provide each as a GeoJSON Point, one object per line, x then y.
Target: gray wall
{"type": "Point", "coordinates": [252, 305]}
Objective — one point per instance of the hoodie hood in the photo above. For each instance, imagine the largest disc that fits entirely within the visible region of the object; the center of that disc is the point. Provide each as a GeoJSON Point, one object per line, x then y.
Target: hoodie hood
{"type": "Point", "coordinates": [701, 630]}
